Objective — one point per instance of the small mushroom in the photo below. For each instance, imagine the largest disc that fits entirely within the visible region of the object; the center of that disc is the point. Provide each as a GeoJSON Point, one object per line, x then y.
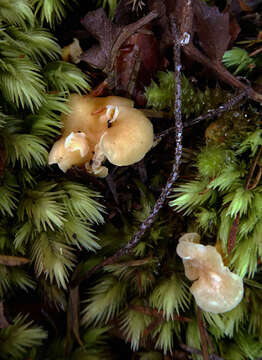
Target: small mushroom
{"type": "Point", "coordinates": [102, 128]}
{"type": "Point", "coordinates": [72, 52]}
{"type": "Point", "coordinates": [216, 289]}
{"type": "Point", "coordinates": [70, 150]}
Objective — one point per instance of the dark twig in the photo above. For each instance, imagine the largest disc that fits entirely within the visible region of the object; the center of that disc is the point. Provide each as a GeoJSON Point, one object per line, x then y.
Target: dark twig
{"type": "Point", "coordinates": [209, 342]}
{"type": "Point", "coordinates": [219, 111]}
{"type": "Point", "coordinates": [149, 329]}
{"type": "Point", "coordinates": [126, 32]}
{"type": "Point", "coordinates": [248, 186]}
{"type": "Point", "coordinates": [175, 171]}
{"type": "Point", "coordinates": [256, 179]}
{"type": "Point", "coordinates": [186, 25]}
{"type": "Point", "coordinates": [203, 338]}
{"type": "Point", "coordinates": [220, 71]}
{"type": "Point", "coordinates": [229, 105]}
{"type": "Point", "coordinates": [252, 170]}
{"type": "Point", "coordinates": [192, 350]}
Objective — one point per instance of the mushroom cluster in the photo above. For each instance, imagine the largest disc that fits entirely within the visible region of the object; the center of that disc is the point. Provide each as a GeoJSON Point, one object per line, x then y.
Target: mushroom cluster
{"type": "Point", "coordinates": [97, 129]}
{"type": "Point", "coordinates": [216, 289]}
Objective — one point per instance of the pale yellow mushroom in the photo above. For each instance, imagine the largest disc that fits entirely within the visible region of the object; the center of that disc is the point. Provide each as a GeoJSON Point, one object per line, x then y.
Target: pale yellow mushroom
{"type": "Point", "coordinates": [102, 128]}
{"type": "Point", "coordinates": [129, 138]}
{"type": "Point", "coordinates": [216, 289]}
{"type": "Point", "coordinates": [69, 150]}
{"type": "Point", "coordinates": [72, 52]}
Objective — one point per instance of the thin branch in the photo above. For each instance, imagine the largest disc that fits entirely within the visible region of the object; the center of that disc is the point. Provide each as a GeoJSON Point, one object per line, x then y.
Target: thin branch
{"type": "Point", "coordinates": [248, 186]}
{"type": "Point", "coordinates": [175, 171]}
{"type": "Point", "coordinates": [134, 263]}
{"type": "Point", "coordinates": [220, 71]}
{"type": "Point", "coordinates": [210, 344]}
{"type": "Point", "coordinates": [187, 23]}
{"type": "Point", "coordinates": [126, 32]}
{"type": "Point", "coordinates": [149, 329]}
{"type": "Point", "coordinates": [203, 339]}
{"type": "Point", "coordinates": [252, 170]}
{"type": "Point", "coordinates": [258, 51]}
{"type": "Point", "coordinates": [219, 111]}
{"type": "Point", "coordinates": [212, 113]}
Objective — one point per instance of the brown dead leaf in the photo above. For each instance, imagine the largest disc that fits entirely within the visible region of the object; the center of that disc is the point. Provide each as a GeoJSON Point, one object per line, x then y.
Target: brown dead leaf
{"type": "Point", "coordinates": [110, 38]}
{"type": "Point", "coordinates": [212, 28]}
{"type": "Point", "coordinates": [128, 54]}
{"type": "Point", "coordinates": [13, 260]}
{"type": "Point", "coordinates": [137, 61]}
{"type": "Point", "coordinates": [105, 32]}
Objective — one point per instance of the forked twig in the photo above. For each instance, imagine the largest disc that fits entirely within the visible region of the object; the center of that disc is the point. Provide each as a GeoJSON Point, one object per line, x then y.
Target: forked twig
{"type": "Point", "coordinates": [220, 110]}
{"type": "Point", "coordinates": [212, 113]}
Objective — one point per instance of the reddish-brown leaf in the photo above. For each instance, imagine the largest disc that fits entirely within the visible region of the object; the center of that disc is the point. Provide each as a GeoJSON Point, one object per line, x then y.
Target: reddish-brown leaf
{"type": "Point", "coordinates": [105, 32]}
{"type": "Point", "coordinates": [137, 61]}
{"type": "Point", "coordinates": [110, 38]}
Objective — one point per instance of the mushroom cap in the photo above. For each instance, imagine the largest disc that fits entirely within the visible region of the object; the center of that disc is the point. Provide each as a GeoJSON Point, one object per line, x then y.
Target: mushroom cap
{"type": "Point", "coordinates": [129, 138]}
{"type": "Point", "coordinates": [216, 288]}
{"type": "Point", "coordinates": [85, 113]}
{"type": "Point", "coordinates": [218, 292]}
{"type": "Point", "coordinates": [100, 128]}
{"type": "Point", "coordinates": [69, 151]}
